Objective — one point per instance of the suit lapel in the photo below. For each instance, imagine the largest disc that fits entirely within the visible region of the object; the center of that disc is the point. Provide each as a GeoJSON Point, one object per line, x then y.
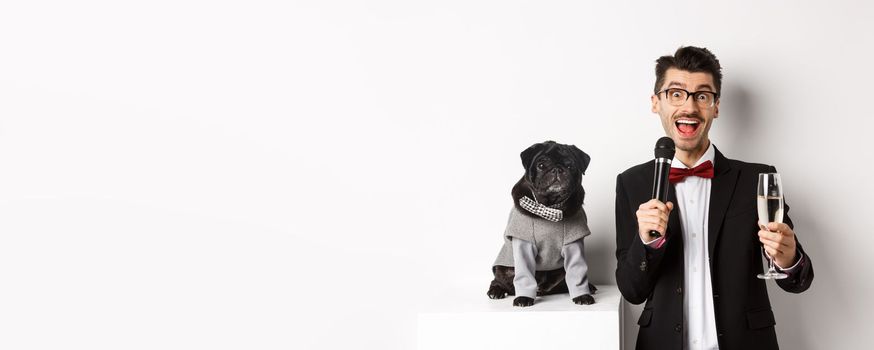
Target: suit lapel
{"type": "Point", "coordinates": [721, 190]}
{"type": "Point", "coordinates": [674, 228]}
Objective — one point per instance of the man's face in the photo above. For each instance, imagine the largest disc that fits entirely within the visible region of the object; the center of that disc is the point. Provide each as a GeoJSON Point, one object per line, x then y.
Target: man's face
{"type": "Point", "coordinates": [687, 124]}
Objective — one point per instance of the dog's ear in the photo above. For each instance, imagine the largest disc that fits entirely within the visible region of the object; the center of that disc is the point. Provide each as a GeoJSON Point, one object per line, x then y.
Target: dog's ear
{"type": "Point", "coordinates": [532, 152]}
{"type": "Point", "coordinates": [582, 159]}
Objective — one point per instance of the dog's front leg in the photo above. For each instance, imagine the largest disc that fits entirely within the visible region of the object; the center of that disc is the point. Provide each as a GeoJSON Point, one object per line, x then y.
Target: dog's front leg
{"type": "Point", "coordinates": [576, 272]}
{"type": "Point", "coordinates": [524, 259]}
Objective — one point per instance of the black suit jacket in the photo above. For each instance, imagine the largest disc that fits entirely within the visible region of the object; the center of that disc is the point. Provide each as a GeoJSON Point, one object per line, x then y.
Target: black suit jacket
{"type": "Point", "coordinates": [744, 319]}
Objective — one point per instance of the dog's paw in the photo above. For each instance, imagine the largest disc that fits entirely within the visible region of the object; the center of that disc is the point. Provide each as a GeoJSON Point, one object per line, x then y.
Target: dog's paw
{"type": "Point", "coordinates": [592, 289]}
{"type": "Point", "coordinates": [584, 299]}
{"type": "Point", "coordinates": [523, 301]}
{"type": "Point", "coordinates": [496, 292]}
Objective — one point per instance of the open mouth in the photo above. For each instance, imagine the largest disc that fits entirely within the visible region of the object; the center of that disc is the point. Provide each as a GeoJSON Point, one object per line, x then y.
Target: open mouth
{"type": "Point", "coordinates": [687, 127]}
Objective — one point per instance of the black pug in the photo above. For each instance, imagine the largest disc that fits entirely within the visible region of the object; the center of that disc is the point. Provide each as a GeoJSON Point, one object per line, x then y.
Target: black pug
{"type": "Point", "coordinates": [543, 248]}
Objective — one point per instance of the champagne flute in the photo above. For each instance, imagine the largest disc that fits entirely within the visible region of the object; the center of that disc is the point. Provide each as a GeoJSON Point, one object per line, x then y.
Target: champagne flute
{"type": "Point", "coordinates": [769, 195]}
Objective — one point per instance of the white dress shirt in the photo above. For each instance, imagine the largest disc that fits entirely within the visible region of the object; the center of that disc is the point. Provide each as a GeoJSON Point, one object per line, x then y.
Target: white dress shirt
{"type": "Point", "coordinates": [693, 201]}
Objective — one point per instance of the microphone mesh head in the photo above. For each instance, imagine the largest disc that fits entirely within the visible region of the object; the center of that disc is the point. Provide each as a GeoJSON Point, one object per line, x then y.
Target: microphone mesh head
{"type": "Point", "coordinates": [664, 148]}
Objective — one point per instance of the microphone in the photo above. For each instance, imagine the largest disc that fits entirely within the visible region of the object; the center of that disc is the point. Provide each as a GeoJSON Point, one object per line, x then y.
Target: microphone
{"type": "Point", "coordinates": [664, 154]}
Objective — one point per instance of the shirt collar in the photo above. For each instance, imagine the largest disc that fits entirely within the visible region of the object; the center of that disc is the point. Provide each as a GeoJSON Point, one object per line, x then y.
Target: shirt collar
{"type": "Point", "coordinates": [710, 155]}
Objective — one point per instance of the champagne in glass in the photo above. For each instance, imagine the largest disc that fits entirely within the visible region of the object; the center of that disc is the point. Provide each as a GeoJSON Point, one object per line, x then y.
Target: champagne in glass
{"type": "Point", "coordinates": [770, 209]}
{"type": "Point", "coordinates": [770, 205]}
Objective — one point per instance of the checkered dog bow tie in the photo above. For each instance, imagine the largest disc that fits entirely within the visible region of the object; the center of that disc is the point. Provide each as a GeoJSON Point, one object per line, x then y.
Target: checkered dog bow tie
{"type": "Point", "coordinates": [547, 212]}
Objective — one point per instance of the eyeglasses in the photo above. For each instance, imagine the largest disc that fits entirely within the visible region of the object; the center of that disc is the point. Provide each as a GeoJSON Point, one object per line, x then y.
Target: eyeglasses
{"type": "Point", "coordinates": [677, 97]}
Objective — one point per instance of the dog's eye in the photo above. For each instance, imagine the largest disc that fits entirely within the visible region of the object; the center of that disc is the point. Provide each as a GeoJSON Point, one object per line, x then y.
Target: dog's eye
{"type": "Point", "coordinates": [541, 165]}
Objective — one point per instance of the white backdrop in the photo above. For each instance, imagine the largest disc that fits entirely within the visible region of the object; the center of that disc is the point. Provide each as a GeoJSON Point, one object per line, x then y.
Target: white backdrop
{"type": "Point", "coordinates": [274, 175]}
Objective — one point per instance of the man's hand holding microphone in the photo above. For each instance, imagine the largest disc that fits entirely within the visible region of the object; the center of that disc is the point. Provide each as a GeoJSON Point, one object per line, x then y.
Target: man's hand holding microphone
{"type": "Point", "coordinates": [653, 216]}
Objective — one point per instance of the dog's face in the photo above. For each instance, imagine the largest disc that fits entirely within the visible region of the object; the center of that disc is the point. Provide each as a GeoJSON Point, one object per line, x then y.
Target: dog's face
{"type": "Point", "coordinates": [554, 171]}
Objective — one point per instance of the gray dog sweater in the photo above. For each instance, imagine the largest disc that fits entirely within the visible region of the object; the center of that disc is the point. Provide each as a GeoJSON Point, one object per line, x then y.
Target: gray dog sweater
{"type": "Point", "coordinates": [543, 245]}
{"type": "Point", "coordinates": [549, 237]}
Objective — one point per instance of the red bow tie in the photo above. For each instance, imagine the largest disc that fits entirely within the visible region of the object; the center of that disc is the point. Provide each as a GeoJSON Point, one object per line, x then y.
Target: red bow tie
{"type": "Point", "coordinates": [704, 170]}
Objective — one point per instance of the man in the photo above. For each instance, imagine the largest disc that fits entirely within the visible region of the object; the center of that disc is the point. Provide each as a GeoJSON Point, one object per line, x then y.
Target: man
{"type": "Point", "coordinates": [699, 278]}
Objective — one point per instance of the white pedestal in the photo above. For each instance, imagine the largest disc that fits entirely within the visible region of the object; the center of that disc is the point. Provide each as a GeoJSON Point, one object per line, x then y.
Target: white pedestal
{"type": "Point", "coordinates": [470, 320]}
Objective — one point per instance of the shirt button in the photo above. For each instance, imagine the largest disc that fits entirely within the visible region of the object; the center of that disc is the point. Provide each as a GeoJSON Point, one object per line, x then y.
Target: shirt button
{"type": "Point", "coordinates": [720, 335]}
{"type": "Point", "coordinates": [715, 296]}
{"type": "Point", "coordinates": [679, 290]}
{"type": "Point", "coordinates": [678, 328]}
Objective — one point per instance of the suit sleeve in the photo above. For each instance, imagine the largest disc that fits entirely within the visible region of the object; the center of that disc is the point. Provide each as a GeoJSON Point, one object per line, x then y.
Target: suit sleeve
{"type": "Point", "coordinates": [636, 263]}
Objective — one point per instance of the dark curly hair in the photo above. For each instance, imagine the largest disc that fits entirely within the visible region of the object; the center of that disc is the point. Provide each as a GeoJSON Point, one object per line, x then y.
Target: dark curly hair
{"type": "Point", "coordinates": [691, 59]}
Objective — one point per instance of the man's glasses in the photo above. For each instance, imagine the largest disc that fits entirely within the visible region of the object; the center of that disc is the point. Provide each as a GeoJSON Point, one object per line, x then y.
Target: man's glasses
{"type": "Point", "coordinates": [677, 97]}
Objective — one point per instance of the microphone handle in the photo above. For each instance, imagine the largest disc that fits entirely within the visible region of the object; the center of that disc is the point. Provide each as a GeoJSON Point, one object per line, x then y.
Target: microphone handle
{"type": "Point", "coordinates": [660, 185]}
